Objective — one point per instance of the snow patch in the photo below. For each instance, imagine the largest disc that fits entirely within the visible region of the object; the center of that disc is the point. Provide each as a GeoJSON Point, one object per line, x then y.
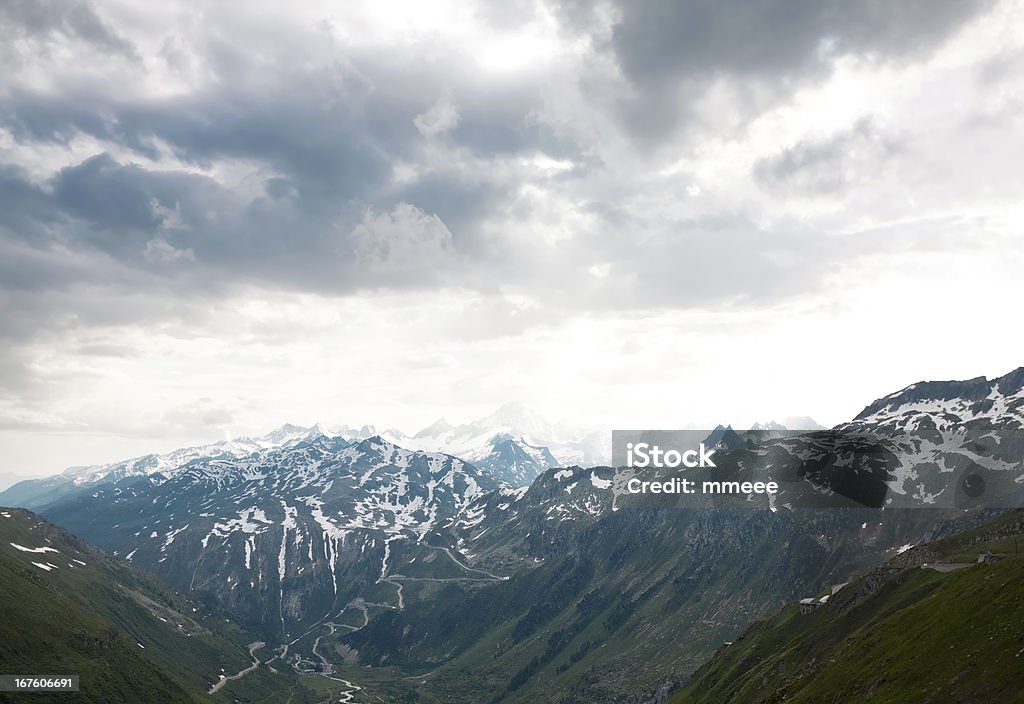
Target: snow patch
{"type": "Point", "coordinates": [35, 550]}
{"type": "Point", "coordinates": [169, 538]}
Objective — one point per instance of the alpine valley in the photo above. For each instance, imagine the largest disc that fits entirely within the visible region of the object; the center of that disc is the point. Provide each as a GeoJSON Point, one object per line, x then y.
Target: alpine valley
{"type": "Point", "coordinates": [500, 561]}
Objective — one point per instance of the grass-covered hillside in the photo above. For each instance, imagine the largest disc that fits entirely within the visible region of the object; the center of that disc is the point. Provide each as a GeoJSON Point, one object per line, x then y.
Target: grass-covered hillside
{"type": "Point", "coordinates": [903, 632]}
{"type": "Point", "coordinates": [67, 608]}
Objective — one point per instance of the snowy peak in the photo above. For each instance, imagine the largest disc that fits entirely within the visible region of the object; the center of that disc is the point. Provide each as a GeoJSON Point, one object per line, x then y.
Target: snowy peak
{"type": "Point", "coordinates": [286, 433]}
{"type": "Point", "coordinates": [375, 443]}
{"type": "Point", "coordinates": [948, 437]}
{"type": "Point", "coordinates": [789, 423]}
{"type": "Point", "coordinates": [521, 420]}
{"type": "Point", "coordinates": [514, 443]}
{"type": "Point", "coordinates": [516, 461]}
{"type": "Point", "coordinates": [960, 400]}
{"type": "Point", "coordinates": [351, 433]}
{"type": "Point", "coordinates": [438, 427]}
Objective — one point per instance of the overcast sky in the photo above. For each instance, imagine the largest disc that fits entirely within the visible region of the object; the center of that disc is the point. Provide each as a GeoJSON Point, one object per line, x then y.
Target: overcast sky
{"type": "Point", "coordinates": [626, 214]}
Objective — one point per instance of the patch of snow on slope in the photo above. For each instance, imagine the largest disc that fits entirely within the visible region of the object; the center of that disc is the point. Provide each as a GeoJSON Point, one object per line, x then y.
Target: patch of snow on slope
{"type": "Point", "coordinates": [171, 536]}
{"type": "Point", "coordinates": [250, 521]}
{"type": "Point", "coordinates": [35, 550]}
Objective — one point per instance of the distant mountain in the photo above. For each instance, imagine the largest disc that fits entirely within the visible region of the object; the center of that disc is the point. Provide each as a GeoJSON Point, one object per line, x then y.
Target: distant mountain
{"type": "Point", "coordinates": [931, 624]}
{"type": "Point", "coordinates": [513, 443]}
{"type": "Point", "coordinates": [71, 609]}
{"type": "Point", "coordinates": [284, 436]}
{"type": "Point", "coordinates": [35, 493]}
{"type": "Point", "coordinates": [790, 423]}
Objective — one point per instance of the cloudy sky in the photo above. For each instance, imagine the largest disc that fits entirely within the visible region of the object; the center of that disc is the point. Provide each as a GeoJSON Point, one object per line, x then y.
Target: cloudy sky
{"type": "Point", "coordinates": [628, 214]}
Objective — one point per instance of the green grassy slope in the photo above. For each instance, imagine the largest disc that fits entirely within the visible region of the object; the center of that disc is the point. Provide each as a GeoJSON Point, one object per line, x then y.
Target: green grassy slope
{"type": "Point", "coordinates": [900, 633]}
{"type": "Point", "coordinates": [127, 636]}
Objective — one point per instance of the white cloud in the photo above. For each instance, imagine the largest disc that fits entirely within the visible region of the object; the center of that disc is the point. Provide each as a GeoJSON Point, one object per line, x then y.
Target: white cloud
{"type": "Point", "coordinates": [441, 117]}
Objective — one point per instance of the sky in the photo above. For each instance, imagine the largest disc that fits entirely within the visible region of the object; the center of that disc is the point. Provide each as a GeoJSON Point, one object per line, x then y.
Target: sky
{"type": "Point", "coordinates": [219, 217]}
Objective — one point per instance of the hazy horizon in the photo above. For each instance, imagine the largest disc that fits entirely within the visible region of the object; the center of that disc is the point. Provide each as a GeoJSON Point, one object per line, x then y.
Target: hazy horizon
{"type": "Point", "coordinates": [115, 449]}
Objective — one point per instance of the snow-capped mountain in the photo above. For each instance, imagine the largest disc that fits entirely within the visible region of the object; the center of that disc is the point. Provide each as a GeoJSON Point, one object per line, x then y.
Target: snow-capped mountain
{"type": "Point", "coordinates": [286, 535]}
{"type": "Point", "coordinates": [954, 442]}
{"type": "Point", "coordinates": [789, 423]}
{"type": "Point", "coordinates": [939, 444]}
{"type": "Point", "coordinates": [284, 436]}
{"type": "Point", "coordinates": [514, 443]}
{"type": "Point", "coordinates": [35, 493]}
{"type": "Point", "coordinates": [1000, 399]}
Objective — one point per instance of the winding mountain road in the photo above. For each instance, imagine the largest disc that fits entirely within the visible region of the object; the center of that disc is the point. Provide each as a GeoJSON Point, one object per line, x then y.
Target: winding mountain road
{"type": "Point", "coordinates": [466, 567]}
{"type": "Point", "coordinates": [253, 647]}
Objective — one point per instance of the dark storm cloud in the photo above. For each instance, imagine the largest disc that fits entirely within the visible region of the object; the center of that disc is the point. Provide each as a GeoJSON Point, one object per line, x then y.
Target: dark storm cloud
{"type": "Point", "coordinates": [24, 207]}
{"type": "Point", "coordinates": [330, 132]}
{"type": "Point", "coordinates": [77, 19]}
{"type": "Point", "coordinates": [672, 50]}
{"type": "Point", "coordinates": [777, 38]}
{"type": "Point", "coordinates": [320, 148]}
{"type": "Point", "coordinates": [326, 128]}
{"type": "Point", "coordinates": [91, 224]}
{"type": "Point", "coordinates": [113, 199]}
{"type": "Point", "coordinates": [139, 225]}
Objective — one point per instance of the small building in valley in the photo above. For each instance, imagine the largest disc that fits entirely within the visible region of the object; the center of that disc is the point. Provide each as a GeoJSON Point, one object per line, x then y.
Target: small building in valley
{"type": "Point", "coordinates": [987, 558]}
{"type": "Point", "coordinates": [808, 605]}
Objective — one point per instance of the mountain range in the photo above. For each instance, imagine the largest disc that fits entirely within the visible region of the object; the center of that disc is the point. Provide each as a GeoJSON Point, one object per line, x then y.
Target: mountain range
{"type": "Point", "coordinates": [513, 444]}
{"type": "Point", "coordinates": [419, 573]}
